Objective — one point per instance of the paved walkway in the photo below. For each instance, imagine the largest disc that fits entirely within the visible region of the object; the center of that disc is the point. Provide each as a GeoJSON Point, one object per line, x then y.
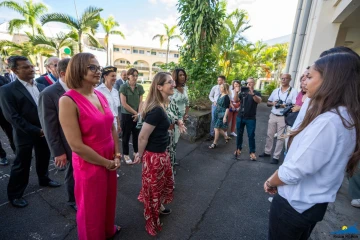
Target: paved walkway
{"type": "Point", "coordinates": [216, 197]}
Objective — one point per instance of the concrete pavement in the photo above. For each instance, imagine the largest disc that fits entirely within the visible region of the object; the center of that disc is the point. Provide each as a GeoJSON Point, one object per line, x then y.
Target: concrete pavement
{"type": "Point", "coordinates": [216, 197]}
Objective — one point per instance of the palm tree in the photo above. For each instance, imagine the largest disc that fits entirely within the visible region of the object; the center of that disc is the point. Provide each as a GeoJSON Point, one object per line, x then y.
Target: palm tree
{"type": "Point", "coordinates": [56, 44]}
{"type": "Point", "coordinates": [30, 11]}
{"type": "Point", "coordinates": [85, 25]}
{"type": "Point", "coordinates": [26, 49]}
{"type": "Point", "coordinates": [108, 26]}
{"type": "Point", "coordinates": [170, 35]}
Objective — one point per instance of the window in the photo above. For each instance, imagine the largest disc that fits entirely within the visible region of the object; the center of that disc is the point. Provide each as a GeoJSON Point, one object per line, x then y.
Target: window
{"type": "Point", "coordinates": [148, 53]}
{"type": "Point", "coordinates": [135, 51]}
{"type": "Point", "coordinates": [141, 52]}
{"type": "Point", "coordinates": [141, 74]}
{"type": "Point", "coordinates": [128, 51]}
{"type": "Point", "coordinates": [116, 49]}
{"type": "Point", "coordinates": [176, 55]}
{"type": "Point", "coordinates": [135, 63]}
{"type": "Point", "coordinates": [123, 50]}
{"type": "Point", "coordinates": [153, 53]}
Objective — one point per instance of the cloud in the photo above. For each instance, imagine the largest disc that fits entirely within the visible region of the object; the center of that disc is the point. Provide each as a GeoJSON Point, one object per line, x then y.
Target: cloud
{"type": "Point", "coordinates": [168, 3]}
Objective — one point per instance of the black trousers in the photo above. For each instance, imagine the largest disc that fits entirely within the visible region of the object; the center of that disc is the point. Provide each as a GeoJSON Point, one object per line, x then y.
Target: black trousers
{"type": "Point", "coordinates": [6, 126]}
{"type": "Point", "coordinates": [69, 183]}
{"type": "Point", "coordinates": [20, 170]}
{"type": "Point", "coordinates": [286, 223]}
{"type": "Point", "coordinates": [128, 127]}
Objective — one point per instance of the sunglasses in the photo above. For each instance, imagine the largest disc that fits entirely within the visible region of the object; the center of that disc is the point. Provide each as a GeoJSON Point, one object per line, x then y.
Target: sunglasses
{"type": "Point", "coordinates": [95, 68]}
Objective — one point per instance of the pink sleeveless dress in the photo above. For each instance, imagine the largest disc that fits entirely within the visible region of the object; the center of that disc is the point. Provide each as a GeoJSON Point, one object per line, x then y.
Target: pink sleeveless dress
{"type": "Point", "coordinates": [95, 186]}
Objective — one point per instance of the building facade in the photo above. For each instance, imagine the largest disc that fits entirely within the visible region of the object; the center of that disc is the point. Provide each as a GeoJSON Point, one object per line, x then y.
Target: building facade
{"type": "Point", "coordinates": [318, 26]}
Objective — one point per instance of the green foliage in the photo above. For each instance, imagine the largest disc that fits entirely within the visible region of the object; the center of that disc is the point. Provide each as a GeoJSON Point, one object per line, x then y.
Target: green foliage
{"type": "Point", "coordinates": [201, 22]}
{"type": "Point", "coordinates": [269, 88]}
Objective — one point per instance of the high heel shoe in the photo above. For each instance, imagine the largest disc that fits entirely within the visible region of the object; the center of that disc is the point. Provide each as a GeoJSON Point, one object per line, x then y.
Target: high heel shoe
{"type": "Point", "coordinates": [237, 154]}
{"type": "Point", "coordinates": [227, 139]}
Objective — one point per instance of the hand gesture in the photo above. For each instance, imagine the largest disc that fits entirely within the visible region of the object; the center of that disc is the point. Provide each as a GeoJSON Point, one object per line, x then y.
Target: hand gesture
{"type": "Point", "coordinates": [60, 161]}
{"type": "Point", "coordinates": [112, 165]}
{"type": "Point", "coordinates": [135, 117]}
{"type": "Point", "coordinates": [224, 120]}
{"type": "Point", "coordinates": [296, 108]}
{"type": "Point", "coordinates": [137, 158]}
{"type": "Point", "coordinates": [274, 103]}
{"type": "Point", "coordinates": [269, 189]}
{"type": "Point", "coordinates": [181, 125]}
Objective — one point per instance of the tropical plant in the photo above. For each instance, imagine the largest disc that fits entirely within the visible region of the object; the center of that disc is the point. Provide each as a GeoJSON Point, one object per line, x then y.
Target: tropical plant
{"type": "Point", "coordinates": [85, 25]}
{"type": "Point", "coordinates": [61, 40]}
{"type": "Point", "coordinates": [201, 22]}
{"type": "Point", "coordinates": [30, 11]}
{"type": "Point", "coordinates": [108, 25]}
{"type": "Point", "coordinates": [26, 49]}
{"type": "Point", "coordinates": [269, 88]}
{"type": "Point", "coordinates": [167, 37]}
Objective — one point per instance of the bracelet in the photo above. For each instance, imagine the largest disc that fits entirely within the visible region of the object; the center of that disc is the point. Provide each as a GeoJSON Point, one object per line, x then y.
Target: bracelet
{"type": "Point", "coordinates": [269, 185]}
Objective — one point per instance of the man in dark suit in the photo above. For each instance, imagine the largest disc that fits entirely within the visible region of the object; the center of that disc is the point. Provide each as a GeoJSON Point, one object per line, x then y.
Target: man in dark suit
{"type": "Point", "coordinates": [52, 76]}
{"type": "Point", "coordinates": [6, 126]}
{"type": "Point", "coordinates": [117, 85]}
{"type": "Point", "coordinates": [19, 101]}
{"type": "Point", "coordinates": [10, 76]}
{"type": "Point", "coordinates": [49, 118]}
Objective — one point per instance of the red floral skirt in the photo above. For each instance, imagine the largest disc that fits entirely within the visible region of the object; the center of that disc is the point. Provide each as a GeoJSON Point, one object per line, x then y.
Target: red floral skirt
{"type": "Point", "coordinates": [157, 187]}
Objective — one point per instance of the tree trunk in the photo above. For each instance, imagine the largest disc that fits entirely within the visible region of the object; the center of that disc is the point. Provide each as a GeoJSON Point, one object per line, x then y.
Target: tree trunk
{"type": "Point", "coordinates": [80, 42]}
{"type": "Point", "coordinates": [58, 53]}
{"type": "Point", "coordinates": [107, 51]}
{"type": "Point", "coordinates": [167, 53]}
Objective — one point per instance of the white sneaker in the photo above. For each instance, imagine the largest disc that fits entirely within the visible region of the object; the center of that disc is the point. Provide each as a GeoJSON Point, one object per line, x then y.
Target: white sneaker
{"type": "Point", "coordinates": [270, 199]}
{"type": "Point", "coordinates": [117, 175]}
{"type": "Point", "coordinates": [275, 135]}
{"type": "Point", "coordinates": [355, 203]}
{"type": "Point", "coordinates": [233, 134]}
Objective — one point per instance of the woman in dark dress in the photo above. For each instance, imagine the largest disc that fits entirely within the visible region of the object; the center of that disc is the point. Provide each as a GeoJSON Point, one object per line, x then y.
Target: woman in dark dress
{"type": "Point", "coordinates": [221, 114]}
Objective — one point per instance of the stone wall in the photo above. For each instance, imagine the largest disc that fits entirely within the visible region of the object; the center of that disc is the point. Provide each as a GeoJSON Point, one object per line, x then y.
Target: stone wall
{"type": "Point", "coordinates": [198, 125]}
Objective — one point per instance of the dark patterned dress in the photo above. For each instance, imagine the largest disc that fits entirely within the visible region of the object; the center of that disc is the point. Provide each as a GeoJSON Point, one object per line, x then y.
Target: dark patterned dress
{"type": "Point", "coordinates": [174, 115]}
{"type": "Point", "coordinates": [221, 106]}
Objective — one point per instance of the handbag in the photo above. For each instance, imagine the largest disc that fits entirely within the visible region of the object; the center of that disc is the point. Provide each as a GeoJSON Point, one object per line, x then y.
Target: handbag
{"type": "Point", "coordinates": [290, 118]}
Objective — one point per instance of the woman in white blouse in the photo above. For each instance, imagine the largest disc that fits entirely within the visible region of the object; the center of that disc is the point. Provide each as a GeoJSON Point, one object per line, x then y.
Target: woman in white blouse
{"type": "Point", "coordinates": [108, 77]}
{"type": "Point", "coordinates": [322, 149]}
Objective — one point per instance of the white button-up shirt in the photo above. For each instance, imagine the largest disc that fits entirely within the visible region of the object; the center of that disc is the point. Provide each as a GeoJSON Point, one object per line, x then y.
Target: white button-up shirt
{"type": "Point", "coordinates": [278, 94]}
{"type": "Point", "coordinates": [214, 93]}
{"type": "Point", "coordinates": [63, 84]}
{"type": "Point", "coordinates": [32, 89]}
{"type": "Point", "coordinates": [113, 99]}
{"type": "Point", "coordinates": [314, 167]}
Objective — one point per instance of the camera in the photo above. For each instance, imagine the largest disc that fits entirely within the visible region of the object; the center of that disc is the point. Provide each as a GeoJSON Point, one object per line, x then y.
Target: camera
{"type": "Point", "coordinates": [287, 109]}
{"type": "Point", "coordinates": [244, 89]}
{"type": "Point", "coordinates": [279, 103]}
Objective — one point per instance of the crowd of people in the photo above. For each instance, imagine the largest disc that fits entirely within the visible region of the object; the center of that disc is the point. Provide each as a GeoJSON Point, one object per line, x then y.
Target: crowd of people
{"type": "Point", "coordinates": [77, 112]}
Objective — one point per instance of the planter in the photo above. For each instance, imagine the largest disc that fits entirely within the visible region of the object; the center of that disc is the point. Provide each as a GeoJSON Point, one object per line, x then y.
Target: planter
{"type": "Point", "coordinates": [264, 98]}
{"type": "Point", "coordinates": [198, 125]}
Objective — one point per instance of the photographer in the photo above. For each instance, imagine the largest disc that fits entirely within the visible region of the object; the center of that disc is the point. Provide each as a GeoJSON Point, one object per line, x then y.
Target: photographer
{"type": "Point", "coordinates": [278, 100]}
{"type": "Point", "coordinates": [249, 99]}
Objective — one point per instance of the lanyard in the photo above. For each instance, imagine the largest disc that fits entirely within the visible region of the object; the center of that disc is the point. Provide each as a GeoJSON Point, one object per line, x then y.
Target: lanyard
{"type": "Point", "coordinates": [286, 95]}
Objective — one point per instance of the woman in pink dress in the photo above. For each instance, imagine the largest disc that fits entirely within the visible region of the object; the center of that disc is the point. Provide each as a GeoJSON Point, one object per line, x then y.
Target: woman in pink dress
{"type": "Point", "coordinates": [87, 121]}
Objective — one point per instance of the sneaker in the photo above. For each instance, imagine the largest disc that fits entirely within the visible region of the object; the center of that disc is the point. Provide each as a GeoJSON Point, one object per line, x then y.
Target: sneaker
{"type": "Point", "coordinates": [355, 203]}
{"type": "Point", "coordinates": [117, 175]}
{"type": "Point", "coordinates": [270, 199]}
{"type": "Point", "coordinates": [233, 134]}
{"type": "Point", "coordinates": [4, 161]}
{"type": "Point", "coordinates": [252, 157]}
{"type": "Point", "coordinates": [127, 159]}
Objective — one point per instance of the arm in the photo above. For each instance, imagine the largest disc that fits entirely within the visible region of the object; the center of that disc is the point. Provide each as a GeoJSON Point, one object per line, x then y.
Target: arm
{"type": "Point", "coordinates": [50, 123]}
{"type": "Point", "coordinates": [144, 134]}
{"type": "Point", "coordinates": [227, 105]}
{"type": "Point", "coordinates": [7, 102]}
{"type": "Point", "coordinates": [116, 146]}
{"type": "Point", "coordinates": [68, 115]}
{"type": "Point", "coordinates": [271, 101]}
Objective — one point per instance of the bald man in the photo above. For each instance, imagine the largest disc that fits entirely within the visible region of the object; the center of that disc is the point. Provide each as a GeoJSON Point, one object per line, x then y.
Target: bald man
{"type": "Point", "coordinates": [52, 76]}
{"type": "Point", "coordinates": [284, 95]}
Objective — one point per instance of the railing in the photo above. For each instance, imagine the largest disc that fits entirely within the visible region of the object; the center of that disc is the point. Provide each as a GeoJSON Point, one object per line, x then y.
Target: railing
{"type": "Point", "coordinates": [142, 68]}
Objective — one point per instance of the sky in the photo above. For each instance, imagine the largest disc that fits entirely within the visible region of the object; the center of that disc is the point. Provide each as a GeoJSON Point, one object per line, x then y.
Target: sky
{"type": "Point", "coordinates": [140, 20]}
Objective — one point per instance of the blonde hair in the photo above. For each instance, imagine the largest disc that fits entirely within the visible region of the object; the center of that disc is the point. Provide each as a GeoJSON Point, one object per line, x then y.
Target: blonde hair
{"type": "Point", "coordinates": [155, 98]}
{"type": "Point", "coordinates": [226, 88]}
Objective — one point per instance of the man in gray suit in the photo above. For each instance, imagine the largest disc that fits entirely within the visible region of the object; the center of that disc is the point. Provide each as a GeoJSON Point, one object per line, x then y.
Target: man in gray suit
{"type": "Point", "coordinates": [49, 119]}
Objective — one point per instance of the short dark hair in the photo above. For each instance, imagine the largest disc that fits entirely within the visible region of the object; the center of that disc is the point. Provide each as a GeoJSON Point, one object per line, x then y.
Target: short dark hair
{"type": "Point", "coordinates": [78, 68]}
{"type": "Point", "coordinates": [131, 71]}
{"type": "Point", "coordinates": [222, 77]}
{"type": "Point", "coordinates": [62, 65]}
{"type": "Point", "coordinates": [340, 49]}
{"type": "Point", "coordinates": [12, 61]}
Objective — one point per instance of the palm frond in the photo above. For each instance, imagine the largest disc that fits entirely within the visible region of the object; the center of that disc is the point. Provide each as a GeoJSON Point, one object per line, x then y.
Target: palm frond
{"type": "Point", "coordinates": [176, 37]}
{"type": "Point", "coordinates": [93, 41]}
{"type": "Point", "coordinates": [62, 18]}
{"type": "Point", "coordinates": [16, 24]}
{"type": "Point", "coordinates": [14, 6]}
{"type": "Point", "coordinates": [39, 9]}
{"type": "Point", "coordinates": [116, 32]}
{"type": "Point", "coordinates": [90, 16]}
{"type": "Point", "coordinates": [43, 41]}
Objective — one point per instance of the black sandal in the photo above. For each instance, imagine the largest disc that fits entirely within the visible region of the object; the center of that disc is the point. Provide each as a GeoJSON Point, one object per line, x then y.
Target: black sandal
{"type": "Point", "coordinates": [227, 139]}
{"type": "Point", "coordinates": [212, 146]}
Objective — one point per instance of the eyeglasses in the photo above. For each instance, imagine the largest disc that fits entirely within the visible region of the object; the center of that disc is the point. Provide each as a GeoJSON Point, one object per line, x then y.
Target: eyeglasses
{"type": "Point", "coordinates": [55, 65]}
{"type": "Point", "coordinates": [95, 68]}
{"type": "Point", "coordinates": [170, 82]}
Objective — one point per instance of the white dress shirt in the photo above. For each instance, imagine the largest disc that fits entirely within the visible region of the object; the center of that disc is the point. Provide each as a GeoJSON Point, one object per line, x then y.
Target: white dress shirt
{"type": "Point", "coordinates": [314, 167]}
{"type": "Point", "coordinates": [300, 117]}
{"type": "Point", "coordinates": [214, 93]}
{"type": "Point", "coordinates": [113, 99]}
{"type": "Point", "coordinates": [278, 94]}
{"type": "Point", "coordinates": [32, 89]}
{"type": "Point", "coordinates": [63, 84]}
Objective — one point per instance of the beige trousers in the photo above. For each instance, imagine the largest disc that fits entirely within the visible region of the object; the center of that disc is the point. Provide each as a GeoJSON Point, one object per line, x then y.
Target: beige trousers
{"type": "Point", "coordinates": [277, 125]}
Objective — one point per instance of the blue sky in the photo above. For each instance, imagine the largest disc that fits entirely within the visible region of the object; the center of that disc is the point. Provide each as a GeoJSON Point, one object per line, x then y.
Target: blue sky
{"type": "Point", "coordinates": [140, 20]}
